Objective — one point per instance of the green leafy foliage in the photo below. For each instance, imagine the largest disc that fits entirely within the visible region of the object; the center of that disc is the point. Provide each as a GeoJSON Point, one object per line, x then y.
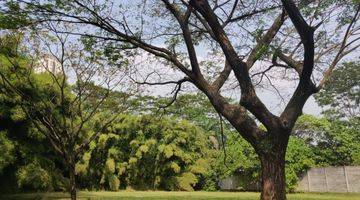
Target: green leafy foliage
{"type": "Point", "coordinates": [299, 158]}
{"type": "Point", "coordinates": [333, 142]}
{"type": "Point", "coordinates": [41, 175]}
{"type": "Point", "coordinates": [21, 143]}
{"type": "Point", "coordinates": [186, 181]}
{"type": "Point", "coordinates": [341, 94]}
{"type": "Point", "coordinates": [339, 145]}
{"type": "Point", "coordinates": [34, 177]}
{"type": "Point", "coordinates": [146, 152]}
{"type": "Point", "coordinates": [195, 108]}
{"type": "Point", "coordinates": [152, 152]}
{"type": "Point", "coordinates": [12, 18]}
{"type": "Point", "coordinates": [114, 183]}
{"type": "Point", "coordinates": [7, 151]}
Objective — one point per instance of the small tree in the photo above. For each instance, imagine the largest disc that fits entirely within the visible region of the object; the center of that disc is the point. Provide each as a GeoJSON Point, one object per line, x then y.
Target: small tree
{"type": "Point", "coordinates": [63, 113]}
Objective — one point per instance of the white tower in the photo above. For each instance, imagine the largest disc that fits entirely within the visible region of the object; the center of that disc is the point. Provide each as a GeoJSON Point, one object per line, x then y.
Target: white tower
{"type": "Point", "coordinates": [48, 63]}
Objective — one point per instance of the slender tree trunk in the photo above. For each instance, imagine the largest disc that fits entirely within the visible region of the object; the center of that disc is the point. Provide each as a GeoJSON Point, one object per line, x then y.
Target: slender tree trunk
{"type": "Point", "coordinates": [72, 182]}
{"type": "Point", "coordinates": [155, 174]}
{"type": "Point", "coordinates": [273, 172]}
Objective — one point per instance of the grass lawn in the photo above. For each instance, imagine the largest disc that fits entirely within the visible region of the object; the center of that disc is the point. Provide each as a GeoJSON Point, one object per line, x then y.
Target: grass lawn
{"type": "Point", "coordinates": [150, 195]}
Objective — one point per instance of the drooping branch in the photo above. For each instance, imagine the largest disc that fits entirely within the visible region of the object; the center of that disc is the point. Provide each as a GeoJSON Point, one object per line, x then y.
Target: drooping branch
{"type": "Point", "coordinates": [175, 92]}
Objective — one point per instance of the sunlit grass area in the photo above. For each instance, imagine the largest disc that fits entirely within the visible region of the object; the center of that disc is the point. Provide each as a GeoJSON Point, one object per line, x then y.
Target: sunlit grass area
{"type": "Point", "coordinates": [151, 195]}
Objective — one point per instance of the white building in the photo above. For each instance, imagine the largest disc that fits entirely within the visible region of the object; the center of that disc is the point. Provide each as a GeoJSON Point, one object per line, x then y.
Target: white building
{"type": "Point", "coordinates": [48, 63]}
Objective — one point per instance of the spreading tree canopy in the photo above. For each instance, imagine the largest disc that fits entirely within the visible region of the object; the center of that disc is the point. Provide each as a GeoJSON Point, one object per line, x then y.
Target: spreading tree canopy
{"type": "Point", "coordinates": [215, 44]}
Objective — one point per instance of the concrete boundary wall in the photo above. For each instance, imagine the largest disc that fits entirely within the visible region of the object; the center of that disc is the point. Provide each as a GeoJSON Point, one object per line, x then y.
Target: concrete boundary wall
{"type": "Point", "coordinates": [331, 179]}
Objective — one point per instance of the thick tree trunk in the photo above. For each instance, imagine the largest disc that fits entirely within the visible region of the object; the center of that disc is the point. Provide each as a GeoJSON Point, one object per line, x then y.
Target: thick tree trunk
{"type": "Point", "coordinates": [273, 178]}
{"type": "Point", "coordinates": [273, 172]}
{"type": "Point", "coordinates": [72, 188]}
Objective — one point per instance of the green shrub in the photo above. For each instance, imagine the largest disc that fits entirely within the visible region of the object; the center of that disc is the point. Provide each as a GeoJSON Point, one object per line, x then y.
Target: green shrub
{"type": "Point", "coordinates": [114, 183]}
{"type": "Point", "coordinates": [110, 166]}
{"type": "Point", "coordinates": [186, 181]}
{"type": "Point", "coordinates": [34, 177]}
{"type": "Point", "coordinates": [6, 152]}
{"type": "Point", "coordinates": [146, 152]}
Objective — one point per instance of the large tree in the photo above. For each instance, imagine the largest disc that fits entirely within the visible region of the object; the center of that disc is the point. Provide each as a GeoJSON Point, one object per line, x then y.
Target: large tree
{"type": "Point", "coordinates": [255, 40]}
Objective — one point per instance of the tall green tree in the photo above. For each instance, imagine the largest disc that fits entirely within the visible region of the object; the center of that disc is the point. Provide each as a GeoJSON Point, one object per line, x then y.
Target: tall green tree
{"type": "Point", "coordinates": [333, 142]}
{"type": "Point", "coordinates": [22, 144]}
{"type": "Point", "coordinates": [340, 97]}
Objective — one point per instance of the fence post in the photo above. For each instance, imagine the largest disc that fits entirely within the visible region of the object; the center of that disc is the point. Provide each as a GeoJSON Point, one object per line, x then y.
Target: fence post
{"type": "Point", "coordinates": [326, 180]}
{"type": "Point", "coordinates": [346, 179]}
{"type": "Point", "coordinates": [308, 178]}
